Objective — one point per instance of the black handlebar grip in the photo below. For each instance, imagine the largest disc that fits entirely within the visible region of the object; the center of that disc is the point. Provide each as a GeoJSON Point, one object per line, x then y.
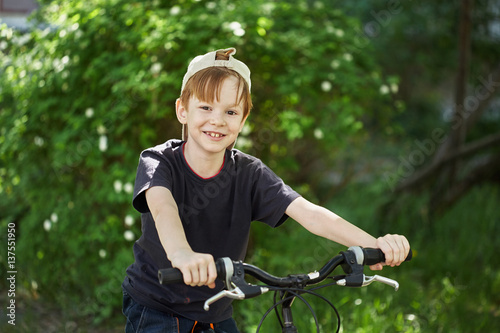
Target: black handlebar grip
{"type": "Point", "coordinates": [375, 256]}
{"type": "Point", "coordinates": [409, 256]}
{"type": "Point", "coordinates": [174, 275]}
{"type": "Point", "coordinates": [170, 275]}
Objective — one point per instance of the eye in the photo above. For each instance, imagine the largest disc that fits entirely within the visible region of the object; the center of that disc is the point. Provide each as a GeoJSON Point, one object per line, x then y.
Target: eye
{"type": "Point", "coordinates": [205, 108]}
{"type": "Point", "coordinates": [232, 113]}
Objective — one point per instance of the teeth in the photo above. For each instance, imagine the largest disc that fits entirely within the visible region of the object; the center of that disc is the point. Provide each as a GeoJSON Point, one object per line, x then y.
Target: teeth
{"type": "Point", "coordinates": [215, 135]}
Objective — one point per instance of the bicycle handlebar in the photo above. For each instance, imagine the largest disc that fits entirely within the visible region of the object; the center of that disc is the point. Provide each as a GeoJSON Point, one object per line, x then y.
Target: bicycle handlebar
{"type": "Point", "coordinates": [363, 256]}
{"type": "Point", "coordinates": [233, 273]}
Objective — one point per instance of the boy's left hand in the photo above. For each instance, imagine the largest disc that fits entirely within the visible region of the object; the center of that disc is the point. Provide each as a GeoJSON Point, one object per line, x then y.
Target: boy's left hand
{"type": "Point", "coordinates": [395, 248]}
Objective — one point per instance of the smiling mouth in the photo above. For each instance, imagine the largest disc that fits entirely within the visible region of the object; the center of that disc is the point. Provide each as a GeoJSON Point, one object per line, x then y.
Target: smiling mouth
{"type": "Point", "coordinates": [214, 135]}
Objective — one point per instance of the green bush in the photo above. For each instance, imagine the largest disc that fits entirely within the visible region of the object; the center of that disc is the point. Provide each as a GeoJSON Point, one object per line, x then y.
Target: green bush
{"type": "Point", "coordinates": [95, 82]}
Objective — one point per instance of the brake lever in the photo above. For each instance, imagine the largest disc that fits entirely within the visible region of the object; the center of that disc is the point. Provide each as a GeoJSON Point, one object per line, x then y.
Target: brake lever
{"type": "Point", "coordinates": [377, 278]}
{"type": "Point", "coordinates": [367, 280]}
{"type": "Point", "coordinates": [237, 287]}
{"type": "Point", "coordinates": [235, 293]}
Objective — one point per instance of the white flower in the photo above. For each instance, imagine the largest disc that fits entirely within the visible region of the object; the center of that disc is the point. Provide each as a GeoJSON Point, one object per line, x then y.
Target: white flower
{"type": "Point", "coordinates": [129, 220]}
{"type": "Point", "coordinates": [47, 225]}
{"type": "Point", "coordinates": [348, 57]}
{"type": "Point", "coordinates": [7, 33]}
{"type": "Point", "coordinates": [318, 133]}
{"type": "Point", "coordinates": [118, 186]}
{"type": "Point", "coordinates": [335, 64]}
{"type": "Point", "coordinates": [156, 68]}
{"type": "Point", "coordinates": [394, 88]}
{"type": "Point", "coordinates": [58, 65]}
{"type": "Point", "coordinates": [128, 188]}
{"type": "Point", "coordinates": [129, 235]}
{"type": "Point", "coordinates": [175, 10]}
{"type": "Point", "coordinates": [54, 218]}
{"type": "Point", "coordinates": [102, 253]}
{"type": "Point", "coordinates": [411, 317]}
{"type": "Point", "coordinates": [237, 28]}
{"type": "Point", "coordinates": [234, 25]}
{"type": "Point", "coordinates": [39, 141]}
{"type": "Point", "coordinates": [103, 143]}
{"type": "Point", "coordinates": [239, 32]}
{"type": "Point", "coordinates": [89, 113]}
{"type": "Point", "coordinates": [101, 130]}
{"type": "Point", "coordinates": [319, 5]}
{"type": "Point", "coordinates": [326, 86]}
{"type": "Point", "coordinates": [384, 90]}
{"type": "Point", "coordinates": [37, 65]}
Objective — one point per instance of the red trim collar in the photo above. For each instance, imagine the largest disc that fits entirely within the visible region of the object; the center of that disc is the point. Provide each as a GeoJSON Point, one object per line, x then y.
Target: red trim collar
{"type": "Point", "coordinates": [223, 162]}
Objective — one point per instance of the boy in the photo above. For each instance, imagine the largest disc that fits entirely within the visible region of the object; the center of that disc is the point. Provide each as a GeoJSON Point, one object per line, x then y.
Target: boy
{"type": "Point", "coordinates": [198, 197]}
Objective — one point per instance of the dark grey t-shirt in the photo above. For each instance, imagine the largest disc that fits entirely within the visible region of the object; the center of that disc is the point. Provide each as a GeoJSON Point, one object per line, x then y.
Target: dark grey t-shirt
{"type": "Point", "coordinates": [216, 214]}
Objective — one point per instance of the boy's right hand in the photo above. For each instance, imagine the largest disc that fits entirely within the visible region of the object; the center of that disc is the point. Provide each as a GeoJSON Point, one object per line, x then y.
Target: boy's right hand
{"type": "Point", "coordinates": [198, 269]}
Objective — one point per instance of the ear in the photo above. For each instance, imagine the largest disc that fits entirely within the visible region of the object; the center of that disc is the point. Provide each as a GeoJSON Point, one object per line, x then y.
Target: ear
{"type": "Point", "coordinates": [181, 112]}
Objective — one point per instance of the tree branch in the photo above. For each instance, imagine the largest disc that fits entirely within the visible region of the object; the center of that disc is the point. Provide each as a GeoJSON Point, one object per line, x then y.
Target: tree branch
{"type": "Point", "coordinates": [447, 151]}
{"type": "Point", "coordinates": [431, 169]}
{"type": "Point", "coordinates": [484, 172]}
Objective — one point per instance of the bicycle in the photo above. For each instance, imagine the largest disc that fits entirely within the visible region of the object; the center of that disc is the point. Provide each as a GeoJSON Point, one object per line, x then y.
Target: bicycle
{"type": "Point", "coordinates": [287, 289]}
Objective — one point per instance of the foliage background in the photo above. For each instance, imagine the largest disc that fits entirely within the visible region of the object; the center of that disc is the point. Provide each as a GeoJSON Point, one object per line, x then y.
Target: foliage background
{"type": "Point", "coordinates": [341, 93]}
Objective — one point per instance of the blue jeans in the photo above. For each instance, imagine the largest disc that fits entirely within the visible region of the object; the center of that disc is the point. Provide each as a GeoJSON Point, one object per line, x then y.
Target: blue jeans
{"type": "Point", "coordinates": [141, 319]}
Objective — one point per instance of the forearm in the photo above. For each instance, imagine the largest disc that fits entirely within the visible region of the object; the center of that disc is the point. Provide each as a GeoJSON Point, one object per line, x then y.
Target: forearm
{"type": "Point", "coordinates": [325, 223]}
{"type": "Point", "coordinates": [198, 269]}
{"type": "Point", "coordinates": [167, 221]}
{"type": "Point", "coordinates": [171, 233]}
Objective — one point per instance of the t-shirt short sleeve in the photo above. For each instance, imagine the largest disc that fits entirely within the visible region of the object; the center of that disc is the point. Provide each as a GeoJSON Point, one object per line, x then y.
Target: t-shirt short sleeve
{"type": "Point", "coordinates": [153, 170]}
{"type": "Point", "coordinates": [270, 196]}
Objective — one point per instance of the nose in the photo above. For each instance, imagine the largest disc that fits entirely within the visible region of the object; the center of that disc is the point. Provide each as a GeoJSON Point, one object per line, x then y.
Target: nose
{"type": "Point", "coordinates": [217, 118]}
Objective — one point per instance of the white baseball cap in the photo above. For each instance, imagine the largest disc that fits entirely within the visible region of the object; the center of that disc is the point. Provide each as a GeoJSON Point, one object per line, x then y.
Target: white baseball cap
{"type": "Point", "coordinates": [209, 60]}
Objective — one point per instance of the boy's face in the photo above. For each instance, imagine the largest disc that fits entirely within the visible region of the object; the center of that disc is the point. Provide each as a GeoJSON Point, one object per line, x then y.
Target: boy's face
{"type": "Point", "coordinates": [213, 126]}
